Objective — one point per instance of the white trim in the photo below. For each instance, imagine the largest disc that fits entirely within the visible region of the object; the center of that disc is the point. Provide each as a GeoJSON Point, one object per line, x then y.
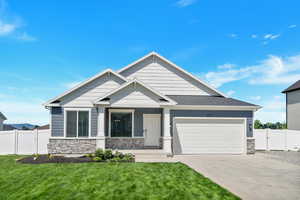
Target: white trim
{"type": "Point", "coordinates": [171, 102]}
{"type": "Point", "coordinates": [123, 111]}
{"type": "Point", "coordinates": [229, 118]}
{"type": "Point", "coordinates": [48, 103]}
{"type": "Point", "coordinates": [65, 122]}
{"type": "Point", "coordinates": [173, 65]}
{"type": "Point", "coordinates": [215, 107]}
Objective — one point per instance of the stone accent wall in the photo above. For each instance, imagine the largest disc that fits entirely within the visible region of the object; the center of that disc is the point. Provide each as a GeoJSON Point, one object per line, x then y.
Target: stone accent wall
{"type": "Point", "coordinates": [71, 146]}
{"type": "Point", "coordinates": [124, 143]}
{"type": "Point", "coordinates": [250, 145]}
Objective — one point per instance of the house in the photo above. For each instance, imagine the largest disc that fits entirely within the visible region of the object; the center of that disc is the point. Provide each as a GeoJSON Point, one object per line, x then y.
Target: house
{"type": "Point", "coordinates": [292, 94]}
{"type": "Point", "coordinates": [149, 104]}
{"type": "Point", "coordinates": [2, 119]}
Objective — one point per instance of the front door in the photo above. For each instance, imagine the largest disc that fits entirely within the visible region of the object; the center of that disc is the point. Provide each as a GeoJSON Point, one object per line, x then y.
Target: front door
{"type": "Point", "coordinates": [152, 129]}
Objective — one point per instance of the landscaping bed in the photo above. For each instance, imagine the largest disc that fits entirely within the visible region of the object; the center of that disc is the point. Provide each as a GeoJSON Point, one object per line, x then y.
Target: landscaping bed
{"type": "Point", "coordinates": [99, 156]}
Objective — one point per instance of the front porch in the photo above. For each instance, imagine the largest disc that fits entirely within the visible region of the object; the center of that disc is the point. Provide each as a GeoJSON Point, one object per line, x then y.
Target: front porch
{"type": "Point", "coordinates": [120, 129]}
{"type": "Point", "coordinates": [134, 128]}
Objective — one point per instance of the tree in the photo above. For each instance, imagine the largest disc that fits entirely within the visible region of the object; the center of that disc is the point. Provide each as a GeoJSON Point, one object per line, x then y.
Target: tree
{"type": "Point", "coordinates": [258, 124]}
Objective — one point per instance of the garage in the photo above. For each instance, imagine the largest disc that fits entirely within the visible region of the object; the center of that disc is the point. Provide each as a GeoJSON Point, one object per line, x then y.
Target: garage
{"type": "Point", "coordinates": [193, 135]}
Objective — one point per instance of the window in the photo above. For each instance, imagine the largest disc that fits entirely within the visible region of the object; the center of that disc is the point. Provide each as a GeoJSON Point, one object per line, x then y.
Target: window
{"type": "Point", "coordinates": [121, 123]}
{"type": "Point", "coordinates": [77, 123]}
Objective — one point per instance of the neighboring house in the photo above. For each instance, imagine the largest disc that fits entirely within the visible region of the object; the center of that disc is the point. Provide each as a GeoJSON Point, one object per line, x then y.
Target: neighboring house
{"type": "Point", "coordinates": [150, 104]}
{"type": "Point", "coordinates": [2, 119]}
{"type": "Point", "coordinates": [292, 94]}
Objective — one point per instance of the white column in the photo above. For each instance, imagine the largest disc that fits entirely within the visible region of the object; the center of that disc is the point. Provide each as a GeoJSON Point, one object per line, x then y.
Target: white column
{"type": "Point", "coordinates": [167, 139]}
{"type": "Point", "coordinates": [100, 139]}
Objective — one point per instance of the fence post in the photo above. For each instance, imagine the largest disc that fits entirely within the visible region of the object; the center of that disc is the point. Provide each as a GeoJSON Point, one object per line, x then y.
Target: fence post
{"type": "Point", "coordinates": [285, 140]}
{"type": "Point", "coordinates": [267, 138]}
{"type": "Point", "coordinates": [36, 140]}
{"type": "Point", "coordinates": [16, 141]}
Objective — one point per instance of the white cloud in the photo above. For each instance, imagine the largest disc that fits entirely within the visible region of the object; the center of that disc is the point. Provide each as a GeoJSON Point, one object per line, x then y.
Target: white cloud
{"type": "Point", "coordinates": [255, 98]}
{"type": "Point", "coordinates": [185, 3]}
{"type": "Point", "coordinates": [25, 37]}
{"type": "Point", "coordinates": [271, 71]}
{"type": "Point", "coordinates": [24, 112]}
{"type": "Point", "coordinates": [11, 24]}
{"type": "Point", "coordinates": [271, 36]}
{"type": "Point", "coordinates": [226, 66]}
{"type": "Point", "coordinates": [254, 36]}
{"type": "Point", "coordinates": [273, 110]}
{"type": "Point", "coordinates": [232, 35]}
{"type": "Point", "coordinates": [293, 26]}
{"type": "Point", "coordinates": [6, 28]}
{"type": "Point", "coordinates": [230, 93]}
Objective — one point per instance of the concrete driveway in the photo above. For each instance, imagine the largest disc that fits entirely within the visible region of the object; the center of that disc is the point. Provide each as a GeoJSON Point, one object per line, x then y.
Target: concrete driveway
{"type": "Point", "coordinates": [249, 176]}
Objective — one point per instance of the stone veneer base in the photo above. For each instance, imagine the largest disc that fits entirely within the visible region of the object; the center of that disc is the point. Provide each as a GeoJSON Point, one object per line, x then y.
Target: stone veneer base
{"type": "Point", "coordinates": [250, 146]}
{"type": "Point", "coordinates": [71, 146]}
{"type": "Point", "coordinates": [126, 143]}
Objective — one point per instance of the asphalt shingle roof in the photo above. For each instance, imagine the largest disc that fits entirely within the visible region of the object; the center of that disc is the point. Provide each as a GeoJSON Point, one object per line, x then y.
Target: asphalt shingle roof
{"type": "Point", "coordinates": [208, 100]}
{"type": "Point", "coordinates": [295, 86]}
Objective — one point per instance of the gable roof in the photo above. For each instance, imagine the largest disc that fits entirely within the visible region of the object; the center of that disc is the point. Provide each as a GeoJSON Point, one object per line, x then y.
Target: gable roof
{"type": "Point", "coordinates": [2, 116]}
{"type": "Point", "coordinates": [204, 100]}
{"type": "Point", "coordinates": [295, 86]}
{"type": "Point", "coordinates": [50, 102]}
{"type": "Point", "coordinates": [170, 101]}
{"type": "Point", "coordinates": [174, 66]}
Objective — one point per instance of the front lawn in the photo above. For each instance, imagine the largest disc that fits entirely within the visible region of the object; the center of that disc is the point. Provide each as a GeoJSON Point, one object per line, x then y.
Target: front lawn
{"type": "Point", "coordinates": [104, 181]}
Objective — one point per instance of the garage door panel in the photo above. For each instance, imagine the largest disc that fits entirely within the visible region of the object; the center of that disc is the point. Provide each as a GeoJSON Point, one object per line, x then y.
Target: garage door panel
{"type": "Point", "coordinates": [193, 136]}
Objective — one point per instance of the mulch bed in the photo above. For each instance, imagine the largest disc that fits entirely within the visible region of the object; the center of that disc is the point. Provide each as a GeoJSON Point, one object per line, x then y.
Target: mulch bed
{"type": "Point", "coordinates": [54, 159]}
{"type": "Point", "coordinates": [41, 159]}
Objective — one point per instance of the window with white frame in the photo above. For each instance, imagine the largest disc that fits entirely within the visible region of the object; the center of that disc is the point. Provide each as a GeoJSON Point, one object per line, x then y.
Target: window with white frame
{"type": "Point", "coordinates": [121, 123]}
{"type": "Point", "coordinates": [77, 123]}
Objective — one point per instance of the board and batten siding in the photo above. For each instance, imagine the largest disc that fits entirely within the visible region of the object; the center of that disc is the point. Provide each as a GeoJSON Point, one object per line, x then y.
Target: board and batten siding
{"type": "Point", "coordinates": [84, 96]}
{"type": "Point", "coordinates": [215, 113]}
{"type": "Point", "coordinates": [293, 110]}
{"type": "Point", "coordinates": [57, 122]}
{"type": "Point", "coordinates": [165, 78]}
{"type": "Point", "coordinates": [134, 95]}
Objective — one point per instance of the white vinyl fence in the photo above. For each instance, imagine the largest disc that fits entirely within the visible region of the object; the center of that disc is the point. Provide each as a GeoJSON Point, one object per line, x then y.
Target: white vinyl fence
{"type": "Point", "coordinates": [24, 142]}
{"type": "Point", "coordinates": [271, 139]}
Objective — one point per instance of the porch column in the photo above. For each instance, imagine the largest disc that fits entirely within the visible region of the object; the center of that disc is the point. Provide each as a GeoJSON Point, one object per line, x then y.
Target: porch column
{"type": "Point", "coordinates": [167, 139]}
{"type": "Point", "coordinates": [100, 139]}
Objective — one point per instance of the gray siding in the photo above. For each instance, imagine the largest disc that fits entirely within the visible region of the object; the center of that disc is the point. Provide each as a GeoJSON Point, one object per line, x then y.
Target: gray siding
{"type": "Point", "coordinates": [214, 113]}
{"type": "Point", "coordinates": [1, 125]}
{"type": "Point", "coordinates": [293, 110]}
{"type": "Point", "coordinates": [138, 119]}
{"type": "Point", "coordinates": [94, 122]}
{"type": "Point", "coordinates": [57, 122]}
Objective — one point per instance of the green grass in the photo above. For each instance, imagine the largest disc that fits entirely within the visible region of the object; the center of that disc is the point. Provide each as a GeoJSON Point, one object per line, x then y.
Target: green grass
{"type": "Point", "coordinates": [105, 181]}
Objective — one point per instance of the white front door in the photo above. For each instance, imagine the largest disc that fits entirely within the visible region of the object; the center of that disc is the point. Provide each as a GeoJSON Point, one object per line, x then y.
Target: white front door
{"type": "Point", "coordinates": [152, 129]}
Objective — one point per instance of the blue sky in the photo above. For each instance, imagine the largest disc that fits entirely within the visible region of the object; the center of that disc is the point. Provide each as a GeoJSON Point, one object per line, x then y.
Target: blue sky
{"type": "Point", "coordinates": [249, 49]}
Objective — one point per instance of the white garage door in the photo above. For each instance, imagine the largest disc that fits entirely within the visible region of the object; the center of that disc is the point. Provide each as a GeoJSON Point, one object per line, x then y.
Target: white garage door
{"type": "Point", "coordinates": [198, 135]}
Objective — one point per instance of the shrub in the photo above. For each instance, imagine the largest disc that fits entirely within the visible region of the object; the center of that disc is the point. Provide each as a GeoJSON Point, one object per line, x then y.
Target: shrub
{"type": "Point", "coordinates": [97, 159]}
{"type": "Point", "coordinates": [108, 154]}
{"type": "Point", "coordinates": [118, 155]}
{"type": "Point", "coordinates": [99, 153]}
{"type": "Point", "coordinates": [128, 157]}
